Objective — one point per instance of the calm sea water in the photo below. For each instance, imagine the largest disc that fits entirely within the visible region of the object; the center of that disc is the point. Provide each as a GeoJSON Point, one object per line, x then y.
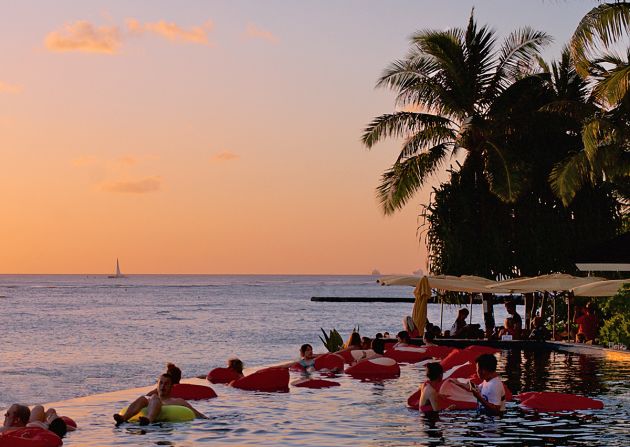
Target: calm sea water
{"type": "Point", "coordinates": [65, 337]}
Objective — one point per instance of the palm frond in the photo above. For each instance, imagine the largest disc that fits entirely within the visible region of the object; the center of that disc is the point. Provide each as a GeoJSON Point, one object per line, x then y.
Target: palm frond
{"type": "Point", "coordinates": [603, 24]}
{"type": "Point", "coordinates": [516, 52]}
{"type": "Point", "coordinates": [400, 124]}
{"type": "Point", "coordinates": [430, 136]}
{"type": "Point", "coordinates": [614, 84]}
{"type": "Point", "coordinates": [568, 176]}
{"type": "Point", "coordinates": [403, 179]}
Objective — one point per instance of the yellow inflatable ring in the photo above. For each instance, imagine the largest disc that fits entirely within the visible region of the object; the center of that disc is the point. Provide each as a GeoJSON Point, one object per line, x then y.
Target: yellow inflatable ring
{"type": "Point", "coordinates": [168, 413]}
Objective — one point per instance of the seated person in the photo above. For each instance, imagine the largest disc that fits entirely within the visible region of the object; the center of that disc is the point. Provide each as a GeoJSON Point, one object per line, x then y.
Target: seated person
{"type": "Point", "coordinates": [403, 339]}
{"type": "Point", "coordinates": [459, 328]}
{"type": "Point", "coordinates": [587, 322]}
{"type": "Point", "coordinates": [491, 393]}
{"type": "Point", "coordinates": [436, 331]}
{"type": "Point", "coordinates": [517, 321]}
{"type": "Point", "coordinates": [539, 331]}
{"type": "Point", "coordinates": [507, 329]}
{"type": "Point", "coordinates": [17, 416]}
{"type": "Point", "coordinates": [366, 342]}
{"type": "Point", "coordinates": [385, 334]}
{"type": "Point", "coordinates": [155, 402]}
{"type": "Point", "coordinates": [378, 335]}
{"type": "Point", "coordinates": [429, 396]}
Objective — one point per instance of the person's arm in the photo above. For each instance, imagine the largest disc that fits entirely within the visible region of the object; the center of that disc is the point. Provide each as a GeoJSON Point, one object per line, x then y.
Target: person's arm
{"type": "Point", "coordinates": [198, 415]}
{"type": "Point", "coordinates": [486, 403]}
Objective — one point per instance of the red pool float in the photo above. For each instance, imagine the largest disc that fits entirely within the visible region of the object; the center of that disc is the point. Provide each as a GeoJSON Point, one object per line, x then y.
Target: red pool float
{"type": "Point", "coordinates": [463, 371]}
{"type": "Point", "coordinates": [274, 379]}
{"type": "Point", "coordinates": [549, 401]}
{"type": "Point", "coordinates": [439, 352]}
{"type": "Point", "coordinates": [376, 368]}
{"type": "Point", "coordinates": [30, 437]}
{"type": "Point", "coordinates": [222, 375]}
{"type": "Point", "coordinates": [407, 354]}
{"type": "Point", "coordinates": [481, 349]}
{"type": "Point", "coordinates": [315, 383]}
{"type": "Point", "coordinates": [191, 391]}
{"type": "Point", "coordinates": [330, 362]}
{"type": "Point", "coordinates": [347, 356]}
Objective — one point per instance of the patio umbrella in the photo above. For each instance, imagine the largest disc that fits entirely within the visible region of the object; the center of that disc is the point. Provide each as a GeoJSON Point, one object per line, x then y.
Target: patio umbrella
{"type": "Point", "coordinates": [600, 288]}
{"type": "Point", "coordinates": [422, 293]}
{"type": "Point", "coordinates": [555, 282]}
{"type": "Point", "coordinates": [465, 283]}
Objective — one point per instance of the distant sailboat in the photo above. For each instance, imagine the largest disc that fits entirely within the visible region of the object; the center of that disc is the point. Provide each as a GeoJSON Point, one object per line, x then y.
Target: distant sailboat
{"type": "Point", "coordinates": [118, 274]}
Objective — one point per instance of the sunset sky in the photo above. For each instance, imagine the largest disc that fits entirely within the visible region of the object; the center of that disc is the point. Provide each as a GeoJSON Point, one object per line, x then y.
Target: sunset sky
{"type": "Point", "coordinates": [212, 136]}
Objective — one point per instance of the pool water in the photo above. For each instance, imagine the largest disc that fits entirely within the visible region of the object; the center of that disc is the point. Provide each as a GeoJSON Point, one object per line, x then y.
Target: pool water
{"type": "Point", "coordinates": [375, 413]}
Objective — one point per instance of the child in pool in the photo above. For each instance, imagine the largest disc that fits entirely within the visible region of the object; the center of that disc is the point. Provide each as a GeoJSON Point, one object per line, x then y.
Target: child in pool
{"type": "Point", "coordinates": [307, 359]}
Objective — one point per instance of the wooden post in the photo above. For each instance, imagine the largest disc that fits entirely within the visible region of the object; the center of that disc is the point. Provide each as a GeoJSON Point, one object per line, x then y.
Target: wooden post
{"type": "Point", "coordinates": [529, 305]}
{"type": "Point", "coordinates": [488, 313]}
{"type": "Point", "coordinates": [442, 315]}
{"type": "Point", "coordinates": [470, 313]}
{"type": "Point", "coordinates": [553, 320]}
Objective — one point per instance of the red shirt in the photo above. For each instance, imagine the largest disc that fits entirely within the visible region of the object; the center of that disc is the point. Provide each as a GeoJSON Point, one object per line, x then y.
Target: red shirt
{"type": "Point", "coordinates": [587, 325]}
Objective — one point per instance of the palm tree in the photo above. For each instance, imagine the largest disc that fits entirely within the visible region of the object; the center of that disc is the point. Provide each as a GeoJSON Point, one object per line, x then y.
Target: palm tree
{"type": "Point", "coordinates": [605, 117]}
{"type": "Point", "coordinates": [596, 33]}
{"type": "Point", "coordinates": [454, 91]}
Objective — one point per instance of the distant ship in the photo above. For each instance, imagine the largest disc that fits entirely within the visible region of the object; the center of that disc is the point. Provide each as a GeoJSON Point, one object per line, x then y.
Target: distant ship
{"type": "Point", "coordinates": [375, 272]}
{"type": "Point", "coordinates": [117, 274]}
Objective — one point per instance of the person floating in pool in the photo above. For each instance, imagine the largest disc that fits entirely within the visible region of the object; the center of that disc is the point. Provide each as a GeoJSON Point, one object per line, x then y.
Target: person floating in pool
{"type": "Point", "coordinates": [307, 359]}
{"type": "Point", "coordinates": [403, 339]}
{"type": "Point", "coordinates": [491, 393]}
{"type": "Point", "coordinates": [20, 416]}
{"type": "Point", "coordinates": [429, 390]}
{"type": "Point", "coordinates": [155, 402]}
{"type": "Point", "coordinates": [17, 416]}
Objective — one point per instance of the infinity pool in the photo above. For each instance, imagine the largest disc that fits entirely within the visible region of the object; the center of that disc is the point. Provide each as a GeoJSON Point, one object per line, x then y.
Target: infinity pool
{"type": "Point", "coordinates": [374, 413]}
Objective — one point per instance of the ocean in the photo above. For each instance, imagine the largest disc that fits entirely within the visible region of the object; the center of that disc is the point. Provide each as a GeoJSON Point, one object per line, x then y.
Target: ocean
{"type": "Point", "coordinates": [70, 338]}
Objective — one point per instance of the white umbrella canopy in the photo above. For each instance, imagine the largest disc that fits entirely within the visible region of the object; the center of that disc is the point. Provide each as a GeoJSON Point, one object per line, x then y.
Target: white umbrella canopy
{"type": "Point", "coordinates": [555, 282]}
{"type": "Point", "coordinates": [465, 283]}
{"type": "Point", "coordinates": [600, 288]}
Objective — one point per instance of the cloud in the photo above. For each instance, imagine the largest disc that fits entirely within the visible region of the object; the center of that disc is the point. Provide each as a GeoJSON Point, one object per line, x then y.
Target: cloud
{"type": "Point", "coordinates": [85, 160]}
{"type": "Point", "coordinates": [253, 32]}
{"type": "Point", "coordinates": [172, 31]}
{"type": "Point", "coordinates": [84, 37]}
{"type": "Point", "coordinates": [10, 88]}
{"type": "Point", "coordinates": [224, 156]}
{"type": "Point", "coordinates": [127, 160]}
{"type": "Point", "coordinates": [141, 186]}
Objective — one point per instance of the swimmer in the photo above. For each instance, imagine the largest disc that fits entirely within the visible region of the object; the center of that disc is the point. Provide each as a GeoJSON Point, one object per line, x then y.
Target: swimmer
{"type": "Point", "coordinates": [155, 402]}
{"type": "Point", "coordinates": [403, 339]}
{"type": "Point", "coordinates": [307, 359]}
{"type": "Point", "coordinates": [429, 396]}
{"type": "Point", "coordinates": [491, 393]}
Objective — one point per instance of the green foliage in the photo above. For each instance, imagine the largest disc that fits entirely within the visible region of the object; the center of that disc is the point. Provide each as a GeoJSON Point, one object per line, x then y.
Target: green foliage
{"type": "Point", "coordinates": [616, 316]}
{"type": "Point", "coordinates": [332, 342]}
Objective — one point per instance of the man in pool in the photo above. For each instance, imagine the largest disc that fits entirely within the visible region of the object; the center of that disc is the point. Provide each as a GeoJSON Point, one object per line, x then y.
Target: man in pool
{"type": "Point", "coordinates": [155, 402]}
{"type": "Point", "coordinates": [491, 393]}
{"type": "Point", "coordinates": [17, 416]}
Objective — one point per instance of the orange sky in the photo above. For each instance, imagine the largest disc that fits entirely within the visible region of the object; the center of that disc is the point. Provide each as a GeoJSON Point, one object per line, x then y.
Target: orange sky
{"type": "Point", "coordinates": [219, 138]}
